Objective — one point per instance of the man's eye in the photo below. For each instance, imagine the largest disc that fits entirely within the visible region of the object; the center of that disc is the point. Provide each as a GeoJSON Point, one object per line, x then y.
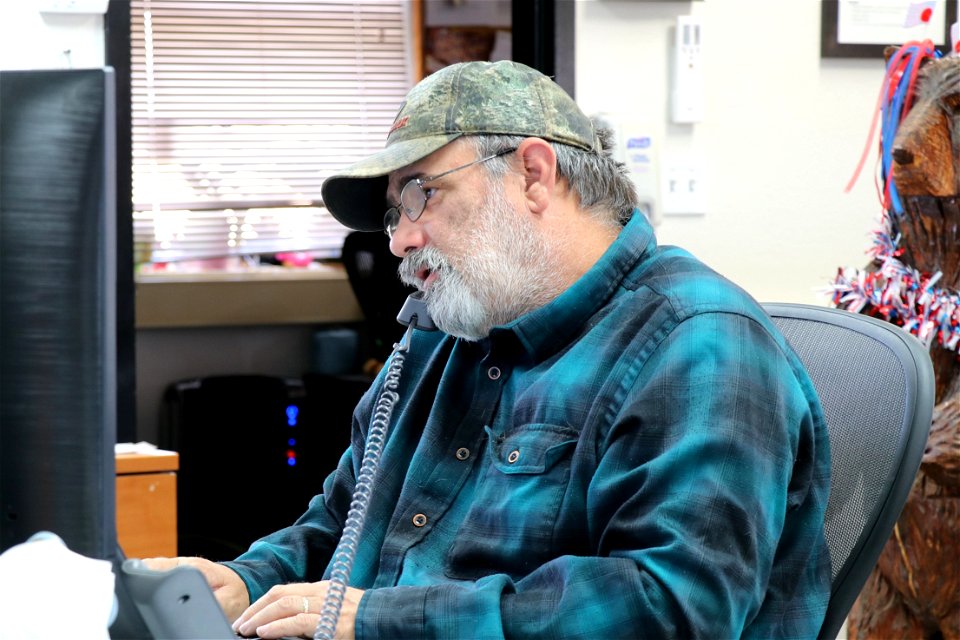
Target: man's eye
{"type": "Point", "coordinates": [428, 192]}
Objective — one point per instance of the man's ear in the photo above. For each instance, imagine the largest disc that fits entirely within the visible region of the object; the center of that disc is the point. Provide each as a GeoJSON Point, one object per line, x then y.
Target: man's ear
{"type": "Point", "coordinates": [539, 169]}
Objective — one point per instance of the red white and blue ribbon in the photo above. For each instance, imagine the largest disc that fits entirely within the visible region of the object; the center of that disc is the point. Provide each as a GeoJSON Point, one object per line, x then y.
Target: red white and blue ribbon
{"type": "Point", "coordinates": [902, 295]}
{"type": "Point", "coordinates": [896, 97]}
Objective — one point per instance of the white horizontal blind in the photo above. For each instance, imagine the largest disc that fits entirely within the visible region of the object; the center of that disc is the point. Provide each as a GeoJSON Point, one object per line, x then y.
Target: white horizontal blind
{"type": "Point", "coordinates": [242, 108]}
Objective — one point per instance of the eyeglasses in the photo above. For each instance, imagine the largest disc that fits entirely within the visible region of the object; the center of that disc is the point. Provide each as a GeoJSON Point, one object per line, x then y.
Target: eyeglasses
{"type": "Point", "coordinates": [413, 198]}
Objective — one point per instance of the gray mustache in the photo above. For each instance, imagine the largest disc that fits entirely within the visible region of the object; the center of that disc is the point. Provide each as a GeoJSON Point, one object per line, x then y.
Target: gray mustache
{"type": "Point", "coordinates": [426, 258]}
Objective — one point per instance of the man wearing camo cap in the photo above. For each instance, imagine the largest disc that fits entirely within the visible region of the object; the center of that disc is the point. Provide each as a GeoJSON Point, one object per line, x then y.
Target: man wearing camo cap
{"type": "Point", "coordinates": [604, 439]}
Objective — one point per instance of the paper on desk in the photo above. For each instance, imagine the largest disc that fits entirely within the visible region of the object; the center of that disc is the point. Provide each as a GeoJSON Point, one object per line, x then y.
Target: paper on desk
{"type": "Point", "coordinates": [49, 591]}
{"type": "Point", "coordinates": [135, 447]}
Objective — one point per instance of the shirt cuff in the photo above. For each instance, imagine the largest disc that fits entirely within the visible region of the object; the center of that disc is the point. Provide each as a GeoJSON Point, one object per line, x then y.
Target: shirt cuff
{"type": "Point", "coordinates": [397, 612]}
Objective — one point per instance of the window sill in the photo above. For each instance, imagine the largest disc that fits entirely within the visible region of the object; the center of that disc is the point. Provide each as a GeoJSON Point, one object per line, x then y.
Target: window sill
{"type": "Point", "coordinates": [245, 298]}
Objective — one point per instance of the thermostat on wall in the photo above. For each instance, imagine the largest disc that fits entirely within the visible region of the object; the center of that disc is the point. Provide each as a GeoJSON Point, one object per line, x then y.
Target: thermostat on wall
{"type": "Point", "coordinates": [687, 95]}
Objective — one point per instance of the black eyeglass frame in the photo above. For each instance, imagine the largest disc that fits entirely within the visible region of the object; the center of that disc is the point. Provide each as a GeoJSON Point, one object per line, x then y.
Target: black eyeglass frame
{"type": "Point", "coordinates": [391, 219]}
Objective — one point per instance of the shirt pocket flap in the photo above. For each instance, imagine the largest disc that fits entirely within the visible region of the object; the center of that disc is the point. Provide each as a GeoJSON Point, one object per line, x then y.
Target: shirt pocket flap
{"type": "Point", "coordinates": [530, 448]}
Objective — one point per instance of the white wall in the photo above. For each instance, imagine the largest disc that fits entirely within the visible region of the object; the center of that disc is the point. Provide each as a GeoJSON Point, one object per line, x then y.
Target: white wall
{"type": "Point", "coordinates": [30, 39]}
{"type": "Point", "coordinates": [782, 133]}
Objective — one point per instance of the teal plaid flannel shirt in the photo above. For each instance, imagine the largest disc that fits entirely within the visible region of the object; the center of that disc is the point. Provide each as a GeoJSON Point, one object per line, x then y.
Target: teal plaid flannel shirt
{"type": "Point", "coordinates": [643, 457]}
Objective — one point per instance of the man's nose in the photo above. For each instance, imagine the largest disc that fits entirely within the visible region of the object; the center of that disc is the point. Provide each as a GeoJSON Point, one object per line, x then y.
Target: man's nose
{"type": "Point", "coordinates": [408, 236]}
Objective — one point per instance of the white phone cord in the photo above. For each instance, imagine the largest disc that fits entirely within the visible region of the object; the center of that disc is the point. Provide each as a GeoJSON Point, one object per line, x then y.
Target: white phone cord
{"type": "Point", "coordinates": [346, 550]}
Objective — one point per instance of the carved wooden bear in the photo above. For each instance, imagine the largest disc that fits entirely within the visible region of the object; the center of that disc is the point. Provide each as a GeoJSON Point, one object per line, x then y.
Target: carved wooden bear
{"type": "Point", "coordinates": [914, 592]}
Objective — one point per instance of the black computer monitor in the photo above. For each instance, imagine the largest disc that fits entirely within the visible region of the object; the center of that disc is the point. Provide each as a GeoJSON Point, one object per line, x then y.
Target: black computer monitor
{"type": "Point", "coordinates": [58, 391]}
{"type": "Point", "coordinates": [58, 344]}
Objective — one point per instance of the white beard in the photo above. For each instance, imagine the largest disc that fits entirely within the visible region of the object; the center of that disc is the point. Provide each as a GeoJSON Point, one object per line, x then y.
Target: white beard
{"type": "Point", "coordinates": [504, 274]}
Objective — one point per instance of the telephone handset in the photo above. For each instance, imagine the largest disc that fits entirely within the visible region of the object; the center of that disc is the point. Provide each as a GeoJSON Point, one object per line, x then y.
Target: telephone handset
{"type": "Point", "coordinates": [414, 315]}
{"type": "Point", "coordinates": [415, 310]}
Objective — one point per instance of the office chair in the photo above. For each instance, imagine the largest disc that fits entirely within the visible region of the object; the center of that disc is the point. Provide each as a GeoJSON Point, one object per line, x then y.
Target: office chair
{"type": "Point", "coordinates": [876, 386]}
{"type": "Point", "coordinates": [372, 272]}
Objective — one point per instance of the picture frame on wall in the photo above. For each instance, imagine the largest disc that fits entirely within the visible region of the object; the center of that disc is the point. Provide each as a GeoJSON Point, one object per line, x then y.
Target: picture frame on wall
{"type": "Point", "coordinates": [863, 28]}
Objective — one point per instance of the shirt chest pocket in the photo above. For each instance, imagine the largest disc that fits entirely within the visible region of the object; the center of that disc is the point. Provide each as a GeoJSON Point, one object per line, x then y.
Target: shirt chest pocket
{"type": "Point", "coordinates": [509, 525]}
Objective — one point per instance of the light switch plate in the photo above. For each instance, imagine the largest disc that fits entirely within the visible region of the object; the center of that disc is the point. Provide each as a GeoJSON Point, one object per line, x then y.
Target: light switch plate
{"type": "Point", "coordinates": [683, 190]}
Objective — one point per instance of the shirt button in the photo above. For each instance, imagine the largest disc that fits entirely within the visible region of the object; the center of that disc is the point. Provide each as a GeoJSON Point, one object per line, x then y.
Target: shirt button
{"type": "Point", "coordinates": [493, 373]}
{"type": "Point", "coordinates": [463, 453]}
{"type": "Point", "coordinates": [419, 520]}
{"type": "Point", "coordinates": [514, 456]}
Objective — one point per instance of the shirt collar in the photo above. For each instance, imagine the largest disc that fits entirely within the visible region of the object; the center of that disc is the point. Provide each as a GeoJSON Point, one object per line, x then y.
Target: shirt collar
{"type": "Point", "coordinates": [544, 330]}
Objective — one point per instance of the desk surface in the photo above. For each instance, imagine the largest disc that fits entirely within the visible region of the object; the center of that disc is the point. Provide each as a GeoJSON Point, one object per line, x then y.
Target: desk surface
{"type": "Point", "coordinates": [269, 297]}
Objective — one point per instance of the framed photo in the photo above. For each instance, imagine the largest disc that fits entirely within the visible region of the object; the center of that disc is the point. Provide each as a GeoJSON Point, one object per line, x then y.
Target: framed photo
{"type": "Point", "coordinates": [863, 28]}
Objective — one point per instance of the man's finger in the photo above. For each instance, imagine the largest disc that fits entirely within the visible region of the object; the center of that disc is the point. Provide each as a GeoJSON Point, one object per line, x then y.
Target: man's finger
{"type": "Point", "coordinates": [302, 624]}
{"type": "Point", "coordinates": [258, 612]}
{"type": "Point", "coordinates": [286, 607]}
{"type": "Point", "coordinates": [160, 564]}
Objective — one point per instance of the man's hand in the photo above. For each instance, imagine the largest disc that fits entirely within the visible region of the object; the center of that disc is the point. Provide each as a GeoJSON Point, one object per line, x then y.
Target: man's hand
{"type": "Point", "coordinates": [294, 610]}
{"type": "Point", "coordinates": [227, 586]}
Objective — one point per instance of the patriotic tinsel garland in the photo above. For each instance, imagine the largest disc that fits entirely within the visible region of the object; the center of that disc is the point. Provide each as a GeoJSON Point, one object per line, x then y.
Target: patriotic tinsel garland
{"type": "Point", "coordinates": [902, 295]}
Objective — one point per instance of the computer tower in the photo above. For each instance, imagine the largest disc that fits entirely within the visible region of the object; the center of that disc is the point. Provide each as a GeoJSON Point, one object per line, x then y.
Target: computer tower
{"type": "Point", "coordinates": [253, 451]}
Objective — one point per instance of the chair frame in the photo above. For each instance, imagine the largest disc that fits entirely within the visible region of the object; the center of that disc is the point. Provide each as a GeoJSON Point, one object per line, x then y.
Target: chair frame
{"type": "Point", "coordinates": [918, 411]}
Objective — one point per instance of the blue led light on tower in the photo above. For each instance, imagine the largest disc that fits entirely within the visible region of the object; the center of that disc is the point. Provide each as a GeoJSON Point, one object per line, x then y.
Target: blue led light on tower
{"type": "Point", "coordinates": [292, 413]}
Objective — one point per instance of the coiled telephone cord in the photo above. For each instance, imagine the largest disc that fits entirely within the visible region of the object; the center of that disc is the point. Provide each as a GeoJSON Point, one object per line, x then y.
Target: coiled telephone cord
{"type": "Point", "coordinates": [346, 550]}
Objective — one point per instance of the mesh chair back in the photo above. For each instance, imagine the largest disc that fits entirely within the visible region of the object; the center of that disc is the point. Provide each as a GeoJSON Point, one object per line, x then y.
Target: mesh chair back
{"type": "Point", "coordinates": [875, 383]}
{"type": "Point", "coordinates": [372, 271]}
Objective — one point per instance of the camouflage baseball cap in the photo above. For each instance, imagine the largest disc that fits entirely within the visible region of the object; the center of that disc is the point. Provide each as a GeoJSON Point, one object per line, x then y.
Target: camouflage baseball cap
{"type": "Point", "coordinates": [462, 99]}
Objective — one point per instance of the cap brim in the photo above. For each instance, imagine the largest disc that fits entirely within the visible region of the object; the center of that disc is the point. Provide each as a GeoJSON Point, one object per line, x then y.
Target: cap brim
{"type": "Point", "coordinates": [356, 196]}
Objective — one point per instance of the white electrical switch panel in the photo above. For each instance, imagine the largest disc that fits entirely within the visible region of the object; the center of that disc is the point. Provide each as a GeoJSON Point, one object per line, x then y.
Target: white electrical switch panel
{"type": "Point", "coordinates": [684, 189]}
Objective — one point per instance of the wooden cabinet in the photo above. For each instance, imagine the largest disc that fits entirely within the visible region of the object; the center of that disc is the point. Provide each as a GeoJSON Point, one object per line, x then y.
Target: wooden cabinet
{"type": "Point", "coordinates": [147, 503]}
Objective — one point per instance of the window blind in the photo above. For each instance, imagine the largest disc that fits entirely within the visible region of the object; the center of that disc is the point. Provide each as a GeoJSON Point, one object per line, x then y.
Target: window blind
{"type": "Point", "coordinates": [242, 108]}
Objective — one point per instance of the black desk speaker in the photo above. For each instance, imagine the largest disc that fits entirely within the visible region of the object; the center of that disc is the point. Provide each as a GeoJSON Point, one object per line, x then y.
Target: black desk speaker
{"type": "Point", "coordinates": [253, 451]}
